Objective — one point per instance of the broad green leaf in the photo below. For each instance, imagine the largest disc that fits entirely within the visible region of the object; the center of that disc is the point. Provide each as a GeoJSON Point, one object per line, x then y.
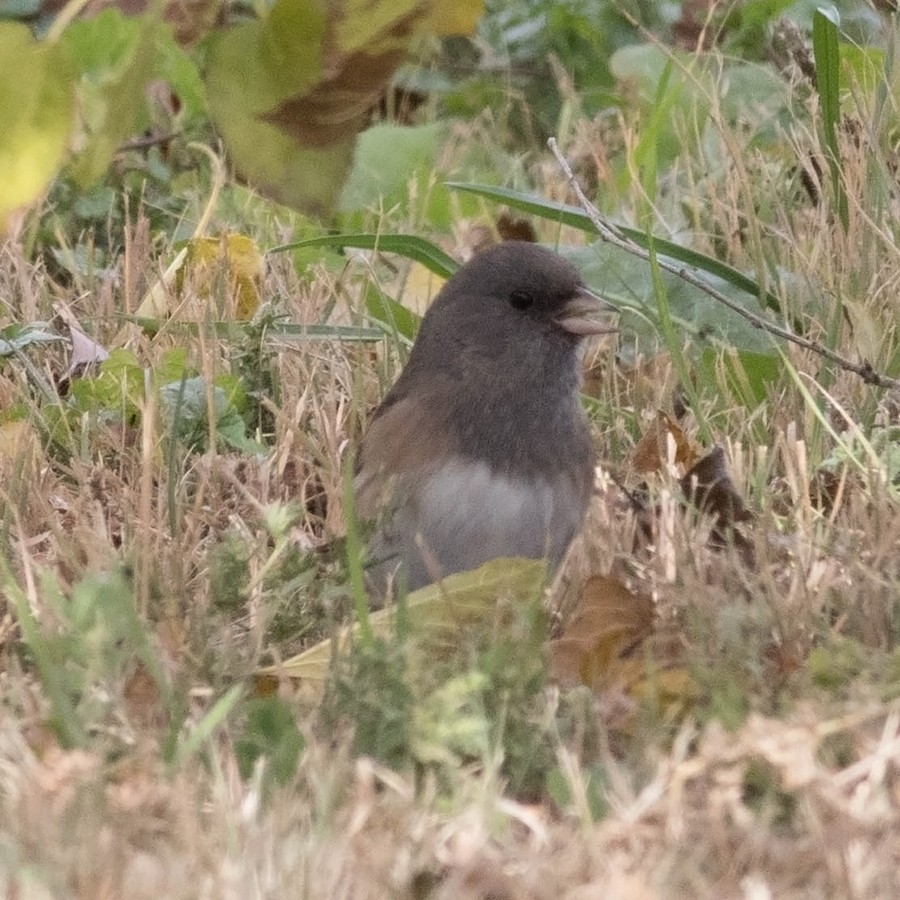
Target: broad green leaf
{"type": "Point", "coordinates": [278, 57]}
{"type": "Point", "coordinates": [180, 70]}
{"type": "Point", "coordinates": [862, 67]}
{"type": "Point", "coordinates": [387, 157]}
{"type": "Point", "coordinates": [628, 283]}
{"type": "Point", "coordinates": [117, 389]}
{"type": "Point", "coordinates": [757, 98]}
{"type": "Point", "coordinates": [667, 96]}
{"type": "Point", "coordinates": [35, 116]}
{"type": "Point", "coordinates": [15, 337]}
{"type": "Point", "coordinates": [394, 316]}
{"type": "Point", "coordinates": [269, 731]}
{"type": "Point", "coordinates": [747, 375]}
{"type": "Point", "coordinates": [310, 75]}
{"type": "Point", "coordinates": [117, 58]}
{"type": "Point", "coordinates": [187, 405]}
{"type": "Point", "coordinates": [282, 331]}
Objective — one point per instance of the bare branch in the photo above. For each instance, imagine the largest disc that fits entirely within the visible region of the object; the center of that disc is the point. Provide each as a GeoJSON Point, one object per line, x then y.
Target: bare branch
{"type": "Point", "coordinates": [610, 234]}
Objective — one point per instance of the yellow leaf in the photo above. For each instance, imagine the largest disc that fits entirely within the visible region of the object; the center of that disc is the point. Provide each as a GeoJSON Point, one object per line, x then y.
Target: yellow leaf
{"type": "Point", "coordinates": [206, 261]}
{"type": "Point", "coordinates": [36, 116]}
{"type": "Point", "coordinates": [460, 17]}
{"type": "Point", "coordinates": [436, 615]}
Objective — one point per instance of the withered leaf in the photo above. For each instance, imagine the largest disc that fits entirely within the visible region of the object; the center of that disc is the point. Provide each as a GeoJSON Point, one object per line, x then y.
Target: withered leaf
{"type": "Point", "coordinates": [651, 451]}
{"type": "Point", "coordinates": [609, 622]}
{"type": "Point", "coordinates": [709, 487]}
{"type": "Point", "coordinates": [339, 106]}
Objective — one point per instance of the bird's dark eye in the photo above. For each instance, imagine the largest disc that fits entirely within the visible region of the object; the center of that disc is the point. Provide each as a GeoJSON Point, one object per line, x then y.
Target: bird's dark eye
{"type": "Point", "coordinates": [520, 299]}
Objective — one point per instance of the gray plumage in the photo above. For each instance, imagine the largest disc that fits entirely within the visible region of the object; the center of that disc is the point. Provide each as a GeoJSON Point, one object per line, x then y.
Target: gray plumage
{"type": "Point", "coordinates": [481, 448]}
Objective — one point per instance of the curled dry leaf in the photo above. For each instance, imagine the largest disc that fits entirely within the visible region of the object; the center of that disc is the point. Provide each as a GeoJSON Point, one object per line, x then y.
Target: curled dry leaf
{"type": "Point", "coordinates": [613, 646]}
{"type": "Point", "coordinates": [651, 453]}
{"type": "Point", "coordinates": [710, 488]}
{"type": "Point", "coordinates": [608, 624]}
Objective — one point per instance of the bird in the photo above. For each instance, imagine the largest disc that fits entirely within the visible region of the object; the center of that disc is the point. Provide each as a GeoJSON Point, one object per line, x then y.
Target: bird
{"type": "Point", "coordinates": [481, 449]}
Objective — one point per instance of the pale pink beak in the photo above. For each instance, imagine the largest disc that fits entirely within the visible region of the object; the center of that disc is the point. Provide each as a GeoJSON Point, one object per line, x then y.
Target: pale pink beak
{"type": "Point", "coordinates": [586, 313]}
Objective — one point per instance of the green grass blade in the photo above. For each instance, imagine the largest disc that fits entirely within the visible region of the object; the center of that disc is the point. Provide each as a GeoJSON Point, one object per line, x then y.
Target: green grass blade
{"type": "Point", "coordinates": [63, 714]}
{"type": "Point", "coordinates": [576, 218]}
{"type": "Point", "coordinates": [827, 54]}
{"type": "Point", "coordinates": [355, 553]}
{"type": "Point", "coordinates": [206, 727]}
{"type": "Point", "coordinates": [412, 247]}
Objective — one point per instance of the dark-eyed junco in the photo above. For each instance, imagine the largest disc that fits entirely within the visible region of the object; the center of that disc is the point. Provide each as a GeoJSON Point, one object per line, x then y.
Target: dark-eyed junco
{"type": "Point", "coordinates": [481, 448]}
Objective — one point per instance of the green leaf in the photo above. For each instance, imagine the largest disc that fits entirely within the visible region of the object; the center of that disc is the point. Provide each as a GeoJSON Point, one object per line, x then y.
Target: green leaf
{"type": "Point", "coordinates": [283, 331]}
{"type": "Point", "coordinates": [278, 57]}
{"type": "Point", "coordinates": [117, 59]}
{"type": "Point", "coordinates": [747, 375]}
{"type": "Point", "coordinates": [395, 317]}
{"type": "Point", "coordinates": [412, 247]}
{"type": "Point", "coordinates": [627, 282]}
{"type": "Point", "coordinates": [118, 388]}
{"type": "Point", "coordinates": [826, 50]}
{"type": "Point", "coordinates": [387, 158]}
{"type": "Point", "coordinates": [270, 731]}
{"type": "Point", "coordinates": [36, 107]}
{"type": "Point", "coordinates": [191, 743]}
{"type": "Point", "coordinates": [187, 404]}
{"type": "Point", "coordinates": [862, 67]}
{"type": "Point", "coordinates": [572, 215]}
{"type": "Point", "coordinates": [667, 97]}
{"type": "Point", "coordinates": [15, 338]}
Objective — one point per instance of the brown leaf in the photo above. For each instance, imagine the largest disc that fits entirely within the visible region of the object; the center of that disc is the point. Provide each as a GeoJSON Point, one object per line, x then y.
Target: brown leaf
{"type": "Point", "coordinates": [339, 106]}
{"type": "Point", "coordinates": [651, 451]}
{"type": "Point", "coordinates": [515, 228]}
{"type": "Point", "coordinates": [710, 488]}
{"type": "Point", "coordinates": [608, 623]}
{"type": "Point", "coordinates": [143, 700]}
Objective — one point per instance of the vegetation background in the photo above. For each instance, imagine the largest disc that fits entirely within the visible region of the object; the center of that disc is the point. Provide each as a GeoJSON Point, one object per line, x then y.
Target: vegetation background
{"type": "Point", "coordinates": [219, 226]}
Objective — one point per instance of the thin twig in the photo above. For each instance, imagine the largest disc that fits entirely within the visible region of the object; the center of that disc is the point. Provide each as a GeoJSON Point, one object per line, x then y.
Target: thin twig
{"type": "Point", "coordinates": [610, 234]}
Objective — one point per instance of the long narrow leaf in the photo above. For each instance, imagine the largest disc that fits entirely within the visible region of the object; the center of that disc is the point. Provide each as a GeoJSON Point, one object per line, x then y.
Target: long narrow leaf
{"type": "Point", "coordinates": [408, 245]}
{"type": "Point", "coordinates": [827, 54]}
{"type": "Point", "coordinates": [573, 216]}
{"type": "Point", "coordinates": [283, 331]}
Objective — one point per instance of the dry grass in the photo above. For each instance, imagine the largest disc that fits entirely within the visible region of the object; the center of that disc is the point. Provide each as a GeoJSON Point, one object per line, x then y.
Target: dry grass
{"type": "Point", "coordinates": [776, 774]}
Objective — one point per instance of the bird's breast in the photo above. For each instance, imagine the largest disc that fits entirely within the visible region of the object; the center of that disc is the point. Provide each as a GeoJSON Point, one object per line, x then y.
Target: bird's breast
{"type": "Point", "coordinates": [465, 513]}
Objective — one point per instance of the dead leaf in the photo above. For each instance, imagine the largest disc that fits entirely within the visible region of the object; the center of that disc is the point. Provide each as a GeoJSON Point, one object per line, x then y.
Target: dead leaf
{"type": "Point", "coordinates": [606, 626]}
{"type": "Point", "coordinates": [515, 228]}
{"type": "Point", "coordinates": [709, 487]}
{"type": "Point", "coordinates": [143, 699]}
{"type": "Point", "coordinates": [651, 451]}
{"type": "Point", "coordinates": [339, 106]}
